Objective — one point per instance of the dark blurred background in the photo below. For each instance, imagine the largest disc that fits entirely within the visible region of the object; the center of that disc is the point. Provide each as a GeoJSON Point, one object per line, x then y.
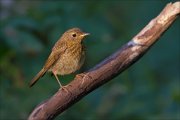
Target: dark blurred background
{"type": "Point", "coordinates": [149, 90]}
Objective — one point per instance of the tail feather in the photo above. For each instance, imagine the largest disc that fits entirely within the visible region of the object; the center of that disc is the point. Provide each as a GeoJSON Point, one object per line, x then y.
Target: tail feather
{"type": "Point", "coordinates": [37, 77]}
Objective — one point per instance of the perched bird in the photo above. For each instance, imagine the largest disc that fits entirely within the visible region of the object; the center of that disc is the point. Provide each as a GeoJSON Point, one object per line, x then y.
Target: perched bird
{"type": "Point", "coordinates": [67, 55]}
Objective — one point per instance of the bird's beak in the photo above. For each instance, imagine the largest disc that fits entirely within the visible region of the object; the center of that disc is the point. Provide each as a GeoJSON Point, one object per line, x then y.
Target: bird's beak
{"type": "Point", "coordinates": [85, 34]}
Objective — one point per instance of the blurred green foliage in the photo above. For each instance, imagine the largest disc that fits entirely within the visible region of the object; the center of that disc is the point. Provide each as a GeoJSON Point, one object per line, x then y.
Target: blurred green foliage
{"type": "Point", "coordinates": [149, 90]}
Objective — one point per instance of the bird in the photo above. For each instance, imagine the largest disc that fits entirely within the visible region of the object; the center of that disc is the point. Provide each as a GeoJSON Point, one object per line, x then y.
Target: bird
{"type": "Point", "coordinates": [66, 57]}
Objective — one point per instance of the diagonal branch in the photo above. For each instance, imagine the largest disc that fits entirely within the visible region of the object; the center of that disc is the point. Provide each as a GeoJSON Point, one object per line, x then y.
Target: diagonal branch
{"type": "Point", "coordinates": [109, 68]}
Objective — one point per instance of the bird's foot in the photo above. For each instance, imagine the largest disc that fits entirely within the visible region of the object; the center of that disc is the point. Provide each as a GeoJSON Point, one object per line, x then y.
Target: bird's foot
{"type": "Point", "coordinates": [83, 76]}
{"type": "Point", "coordinates": [65, 88]}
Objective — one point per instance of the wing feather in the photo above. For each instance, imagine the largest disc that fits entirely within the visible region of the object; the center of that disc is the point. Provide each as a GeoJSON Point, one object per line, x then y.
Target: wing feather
{"type": "Point", "coordinates": [53, 57]}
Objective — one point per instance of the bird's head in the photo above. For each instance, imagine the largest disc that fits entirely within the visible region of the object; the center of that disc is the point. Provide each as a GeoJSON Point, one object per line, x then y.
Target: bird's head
{"type": "Point", "coordinates": [74, 36]}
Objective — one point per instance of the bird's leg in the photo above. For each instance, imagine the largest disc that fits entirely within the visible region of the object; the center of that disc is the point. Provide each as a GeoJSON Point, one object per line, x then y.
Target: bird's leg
{"type": "Point", "coordinates": [61, 87]}
{"type": "Point", "coordinates": [58, 81]}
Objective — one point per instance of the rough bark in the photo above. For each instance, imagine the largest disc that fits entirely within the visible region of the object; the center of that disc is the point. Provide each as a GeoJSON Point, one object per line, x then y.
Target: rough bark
{"type": "Point", "coordinates": [109, 68]}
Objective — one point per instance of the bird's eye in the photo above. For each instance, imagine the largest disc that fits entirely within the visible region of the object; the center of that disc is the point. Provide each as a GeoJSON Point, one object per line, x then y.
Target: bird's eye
{"type": "Point", "coordinates": [74, 35]}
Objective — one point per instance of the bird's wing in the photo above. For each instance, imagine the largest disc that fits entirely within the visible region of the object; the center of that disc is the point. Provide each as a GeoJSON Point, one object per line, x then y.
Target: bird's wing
{"type": "Point", "coordinates": [54, 56]}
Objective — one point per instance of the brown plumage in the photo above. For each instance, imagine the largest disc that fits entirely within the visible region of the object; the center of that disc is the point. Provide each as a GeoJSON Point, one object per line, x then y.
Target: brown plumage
{"type": "Point", "coordinates": [67, 55]}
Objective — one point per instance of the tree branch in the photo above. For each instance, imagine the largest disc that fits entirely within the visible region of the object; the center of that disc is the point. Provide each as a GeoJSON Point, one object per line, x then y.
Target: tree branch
{"type": "Point", "coordinates": [109, 68]}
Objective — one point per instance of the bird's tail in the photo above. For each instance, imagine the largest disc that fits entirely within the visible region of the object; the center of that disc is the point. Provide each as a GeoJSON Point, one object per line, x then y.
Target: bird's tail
{"type": "Point", "coordinates": [37, 77]}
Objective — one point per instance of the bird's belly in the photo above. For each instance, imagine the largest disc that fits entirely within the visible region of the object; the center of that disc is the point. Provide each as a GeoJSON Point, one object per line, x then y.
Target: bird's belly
{"type": "Point", "coordinates": [68, 64]}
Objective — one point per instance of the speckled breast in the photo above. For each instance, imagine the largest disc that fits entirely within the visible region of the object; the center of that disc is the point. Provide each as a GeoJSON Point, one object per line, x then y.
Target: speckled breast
{"type": "Point", "coordinates": [70, 61]}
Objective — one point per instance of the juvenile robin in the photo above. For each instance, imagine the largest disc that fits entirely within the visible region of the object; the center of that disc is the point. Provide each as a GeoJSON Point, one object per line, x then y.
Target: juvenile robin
{"type": "Point", "coordinates": [67, 55]}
